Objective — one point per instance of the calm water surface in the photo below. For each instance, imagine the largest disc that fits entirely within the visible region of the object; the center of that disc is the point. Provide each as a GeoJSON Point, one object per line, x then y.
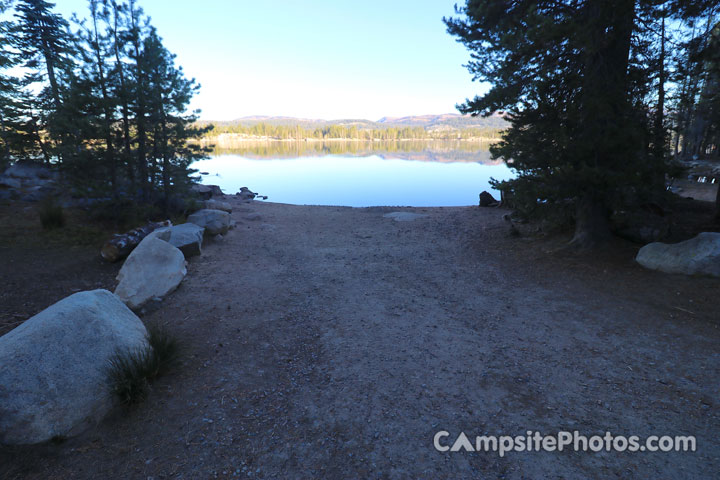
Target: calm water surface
{"type": "Point", "coordinates": [420, 179]}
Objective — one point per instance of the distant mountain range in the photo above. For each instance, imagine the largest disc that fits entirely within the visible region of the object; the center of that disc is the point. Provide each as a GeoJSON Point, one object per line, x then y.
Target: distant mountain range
{"type": "Point", "coordinates": [429, 122]}
{"type": "Point", "coordinates": [449, 119]}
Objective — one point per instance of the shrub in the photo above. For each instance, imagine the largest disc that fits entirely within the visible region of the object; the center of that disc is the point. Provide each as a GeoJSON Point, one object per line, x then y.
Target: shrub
{"type": "Point", "coordinates": [165, 346]}
{"type": "Point", "coordinates": [51, 214]}
{"type": "Point", "coordinates": [127, 375]}
{"type": "Point", "coordinates": [130, 372]}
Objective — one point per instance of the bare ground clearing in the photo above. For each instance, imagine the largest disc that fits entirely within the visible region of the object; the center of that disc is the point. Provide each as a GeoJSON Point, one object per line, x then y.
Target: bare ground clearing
{"type": "Point", "coordinates": [330, 342]}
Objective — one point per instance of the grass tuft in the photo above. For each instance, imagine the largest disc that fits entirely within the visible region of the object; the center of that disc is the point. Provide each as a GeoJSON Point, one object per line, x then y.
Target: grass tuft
{"type": "Point", "coordinates": [51, 214]}
{"type": "Point", "coordinates": [131, 372]}
{"type": "Point", "coordinates": [127, 375]}
{"type": "Point", "coordinates": [166, 348]}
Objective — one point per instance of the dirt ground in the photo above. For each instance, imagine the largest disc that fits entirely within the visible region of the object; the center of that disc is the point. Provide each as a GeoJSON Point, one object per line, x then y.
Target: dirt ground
{"type": "Point", "coordinates": [330, 342]}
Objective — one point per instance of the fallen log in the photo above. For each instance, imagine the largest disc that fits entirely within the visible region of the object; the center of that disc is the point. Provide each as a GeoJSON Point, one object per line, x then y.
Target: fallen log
{"type": "Point", "coordinates": [120, 245]}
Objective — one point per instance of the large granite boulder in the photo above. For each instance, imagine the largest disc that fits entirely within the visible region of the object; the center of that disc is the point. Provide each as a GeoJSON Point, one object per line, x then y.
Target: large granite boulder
{"type": "Point", "coordinates": [187, 237]}
{"type": "Point", "coordinates": [154, 269]}
{"type": "Point", "coordinates": [213, 204]}
{"type": "Point", "coordinates": [53, 379]}
{"type": "Point", "coordinates": [697, 256]}
{"type": "Point", "coordinates": [213, 221]}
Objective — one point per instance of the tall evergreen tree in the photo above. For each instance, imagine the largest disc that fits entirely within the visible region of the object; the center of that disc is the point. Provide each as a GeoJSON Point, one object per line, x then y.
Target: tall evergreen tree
{"type": "Point", "coordinates": [45, 43]}
{"type": "Point", "coordinates": [15, 138]}
{"type": "Point", "coordinates": [574, 78]}
{"type": "Point", "coordinates": [97, 55]}
{"type": "Point", "coordinates": [121, 85]}
{"type": "Point", "coordinates": [170, 93]}
{"type": "Point", "coordinates": [136, 32]}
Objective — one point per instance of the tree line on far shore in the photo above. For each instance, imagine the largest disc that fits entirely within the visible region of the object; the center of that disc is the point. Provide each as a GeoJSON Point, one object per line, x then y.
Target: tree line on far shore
{"type": "Point", "coordinates": [348, 132]}
{"type": "Point", "coordinates": [100, 98]}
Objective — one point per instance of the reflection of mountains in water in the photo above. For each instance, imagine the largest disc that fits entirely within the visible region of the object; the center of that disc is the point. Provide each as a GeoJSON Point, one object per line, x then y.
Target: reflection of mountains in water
{"type": "Point", "coordinates": [417, 150]}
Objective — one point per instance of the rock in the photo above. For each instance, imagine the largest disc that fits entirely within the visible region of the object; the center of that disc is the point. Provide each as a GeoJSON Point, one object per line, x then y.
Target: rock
{"type": "Point", "coordinates": [216, 191]}
{"type": "Point", "coordinates": [207, 191]}
{"type": "Point", "coordinates": [487, 200]}
{"type": "Point", "coordinates": [640, 226]}
{"type": "Point", "coordinates": [187, 237]}
{"type": "Point", "coordinates": [404, 216]}
{"type": "Point", "coordinates": [697, 256]}
{"type": "Point", "coordinates": [154, 269]}
{"type": "Point", "coordinates": [9, 182]}
{"type": "Point", "coordinates": [253, 217]}
{"type": "Point", "coordinates": [202, 191]}
{"type": "Point", "coordinates": [213, 204]}
{"type": "Point", "coordinates": [30, 171]}
{"type": "Point", "coordinates": [35, 194]}
{"type": "Point", "coordinates": [53, 380]}
{"type": "Point", "coordinates": [246, 195]}
{"type": "Point", "coordinates": [213, 221]}
{"type": "Point", "coordinates": [161, 233]}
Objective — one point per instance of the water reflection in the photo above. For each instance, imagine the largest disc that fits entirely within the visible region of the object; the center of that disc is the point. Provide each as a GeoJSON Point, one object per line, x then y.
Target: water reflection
{"type": "Point", "coordinates": [360, 179]}
{"type": "Point", "coordinates": [420, 150]}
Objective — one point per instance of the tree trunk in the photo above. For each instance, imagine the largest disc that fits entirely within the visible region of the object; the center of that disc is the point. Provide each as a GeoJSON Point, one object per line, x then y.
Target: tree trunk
{"type": "Point", "coordinates": [120, 246]}
{"type": "Point", "coordinates": [140, 114]}
{"type": "Point", "coordinates": [107, 111]}
{"type": "Point", "coordinates": [38, 139]}
{"type": "Point", "coordinates": [123, 98]}
{"type": "Point", "coordinates": [592, 225]}
{"type": "Point", "coordinates": [659, 127]}
{"type": "Point", "coordinates": [52, 78]}
{"type": "Point", "coordinates": [603, 111]}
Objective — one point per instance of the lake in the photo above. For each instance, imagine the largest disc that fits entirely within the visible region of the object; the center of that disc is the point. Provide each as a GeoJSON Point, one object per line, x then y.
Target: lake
{"type": "Point", "coordinates": [357, 174]}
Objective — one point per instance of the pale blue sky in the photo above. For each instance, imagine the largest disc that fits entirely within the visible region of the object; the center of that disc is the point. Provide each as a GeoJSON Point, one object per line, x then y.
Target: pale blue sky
{"type": "Point", "coordinates": [313, 59]}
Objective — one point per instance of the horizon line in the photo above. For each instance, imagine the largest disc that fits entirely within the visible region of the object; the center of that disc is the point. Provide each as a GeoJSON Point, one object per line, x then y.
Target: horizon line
{"type": "Point", "coordinates": [332, 119]}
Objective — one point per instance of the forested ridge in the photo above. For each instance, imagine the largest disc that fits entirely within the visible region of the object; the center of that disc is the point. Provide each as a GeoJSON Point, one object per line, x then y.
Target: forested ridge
{"type": "Point", "coordinates": [430, 127]}
{"type": "Point", "coordinates": [353, 132]}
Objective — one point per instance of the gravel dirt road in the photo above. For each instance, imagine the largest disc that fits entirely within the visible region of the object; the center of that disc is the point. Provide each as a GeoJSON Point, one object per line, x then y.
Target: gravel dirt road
{"type": "Point", "coordinates": [332, 342]}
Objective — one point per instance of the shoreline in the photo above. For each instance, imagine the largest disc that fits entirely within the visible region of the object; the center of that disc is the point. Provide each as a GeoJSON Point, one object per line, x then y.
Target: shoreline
{"type": "Point", "coordinates": [244, 138]}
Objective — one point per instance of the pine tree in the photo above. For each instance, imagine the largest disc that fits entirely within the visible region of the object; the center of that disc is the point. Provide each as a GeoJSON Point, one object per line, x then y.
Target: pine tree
{"type": "Point", "coordinates": [45, 43]}
{"type": "Point", "coordinates": [169, 94]}
{"type": "Point", "coordinates": [575, 81]}
{"type": "Point", "coordinates": [15, 133]}
{"type": "Point", "coordinates": [136, 32]}
{"type": "Point", "coordinates": [97, 55]}
{"type": "Point", "coordinates": [121, 85]}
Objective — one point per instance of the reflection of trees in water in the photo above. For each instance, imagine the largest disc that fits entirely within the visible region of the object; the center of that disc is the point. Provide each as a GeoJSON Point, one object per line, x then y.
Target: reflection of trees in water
{"type": "Point", "coordinates": [428, 150]}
